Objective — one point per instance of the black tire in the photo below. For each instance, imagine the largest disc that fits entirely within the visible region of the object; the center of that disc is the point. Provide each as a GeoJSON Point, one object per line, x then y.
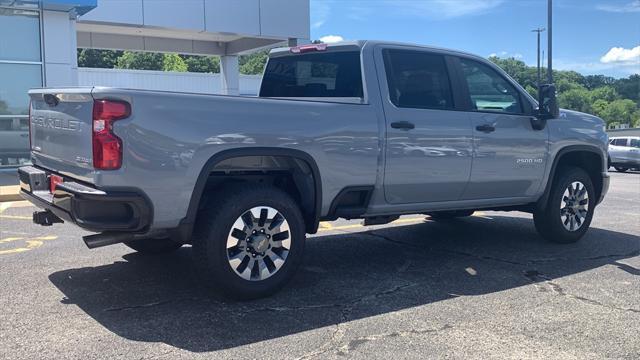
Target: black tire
{"type": "Point", "coordinates": [448, 215]}
{"type": "Point", "coordinates": [154, 246]}
{"type": "Point", "coordinates": [549, 221]}
{"type": "Point", "coordinates": [215, 224]}
{"type": "Point", "coordinates": [620, 169]}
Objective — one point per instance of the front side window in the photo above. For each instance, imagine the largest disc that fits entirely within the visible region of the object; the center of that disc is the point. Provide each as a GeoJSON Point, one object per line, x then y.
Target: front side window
{"type": "Point", "coordinates": [418, 80]}
{"type": "Point", "coordinates": [490, 91]}
{"type": "Point", "coordinates": [319, 74]}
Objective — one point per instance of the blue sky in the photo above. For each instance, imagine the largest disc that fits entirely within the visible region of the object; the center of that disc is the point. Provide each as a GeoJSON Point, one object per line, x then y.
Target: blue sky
{"type": "Point", "coordinates": [590, 36]}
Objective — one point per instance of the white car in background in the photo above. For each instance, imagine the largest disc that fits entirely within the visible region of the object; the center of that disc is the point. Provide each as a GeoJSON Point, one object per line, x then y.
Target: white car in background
{"type": "Point", "coordinates": [624, 153]}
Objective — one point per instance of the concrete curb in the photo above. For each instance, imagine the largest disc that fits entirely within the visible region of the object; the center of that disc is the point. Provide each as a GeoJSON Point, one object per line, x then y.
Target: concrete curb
{"type": "Point", "coordinates": [10, 193]}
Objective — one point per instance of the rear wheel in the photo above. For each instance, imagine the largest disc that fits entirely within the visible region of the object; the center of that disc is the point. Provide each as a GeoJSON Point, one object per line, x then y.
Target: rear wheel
{"type": "Point", "coordinates": [620, 169]}
{"type": "Point", "coordinates": [447, 215]}
{"type": "Point", "coordinates": [249, 241]}
{"type": "Point", "coordinates": [154, 246]}
{"type": "Point", "coordinates": [569, 210]}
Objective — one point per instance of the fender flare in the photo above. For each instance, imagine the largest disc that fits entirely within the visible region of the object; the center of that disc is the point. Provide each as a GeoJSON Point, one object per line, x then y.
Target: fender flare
{"type": "Point", "coordinates": [187, 224]}
{"type": "Point", "coordinates": [542, 201]}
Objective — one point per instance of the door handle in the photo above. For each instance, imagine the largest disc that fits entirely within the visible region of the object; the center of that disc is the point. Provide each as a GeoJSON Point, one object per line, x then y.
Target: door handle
{"type": "Point", "coordinates": [403, 125]}
{"type": "Point", "coordinates": [486, 128]}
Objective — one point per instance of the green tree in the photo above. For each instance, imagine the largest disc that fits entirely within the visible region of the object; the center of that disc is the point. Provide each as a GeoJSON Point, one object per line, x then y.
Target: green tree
{"type": "Point", "coordinates": [599, 107]}
{"type": "Point", "coordinates": [173, 62]}
{"type": "Point", "coordinates": [629, 88]}
{"type": "Point", "coordinates": [95, 58]}
{"type": "Point", "coordinates": [597, 94]}
{"type": "Point", "coordinates": [253, 64]}
{"type": "Point", "coordinates": [532, 90]}
{"type": "Point", "coordinates": [518, 70]}
{"type": "Point", "coordinates": [623, 112]}
{"type": "Point", "coordinates": [595, 81]}
{"type": "Point", "coordinates": [564, 85]}
{"type": "Point", "coordinates": [578, 99]}
{"type": "Point", "coordinates": [606, 93]}
{"type": "Point", "coordinates": [202, 64]}
{"type": "Point", "coordinates": [141, 61]}
{"type": "Point", "coordinates": [569, 76]}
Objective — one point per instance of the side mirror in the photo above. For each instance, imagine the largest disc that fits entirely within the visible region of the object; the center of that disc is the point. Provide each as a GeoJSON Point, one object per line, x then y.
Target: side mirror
{"type": "Point", "coordinates": [547, 102]}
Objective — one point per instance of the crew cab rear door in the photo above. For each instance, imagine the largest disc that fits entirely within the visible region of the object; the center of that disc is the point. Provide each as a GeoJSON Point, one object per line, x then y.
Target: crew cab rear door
{"type": "Point", "coordinates": [428, 143]}
{"type": "Point", "coordinates": [61, 126]}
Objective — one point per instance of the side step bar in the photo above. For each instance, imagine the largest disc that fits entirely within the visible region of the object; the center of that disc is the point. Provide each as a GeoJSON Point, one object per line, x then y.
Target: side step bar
{"type": "Point", "coordinates": [379, 220]}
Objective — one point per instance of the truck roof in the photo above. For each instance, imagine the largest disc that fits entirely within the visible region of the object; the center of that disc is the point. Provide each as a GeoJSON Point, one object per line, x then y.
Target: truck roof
{"type": "Point", "coordinates": [362, 43]}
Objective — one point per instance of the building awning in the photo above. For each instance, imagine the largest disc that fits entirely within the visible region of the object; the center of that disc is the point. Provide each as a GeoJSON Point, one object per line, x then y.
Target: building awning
{"type": "Point", "coordinates": [79, 7]}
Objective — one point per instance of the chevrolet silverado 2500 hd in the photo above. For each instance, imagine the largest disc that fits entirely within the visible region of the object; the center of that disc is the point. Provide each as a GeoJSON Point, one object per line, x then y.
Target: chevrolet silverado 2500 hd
{"type": "Point", "coordinates": [368, 130]}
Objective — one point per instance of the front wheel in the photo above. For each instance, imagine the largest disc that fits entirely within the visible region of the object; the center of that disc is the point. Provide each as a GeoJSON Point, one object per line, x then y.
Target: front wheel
{"type": "Point", "coordinates": [249, 241]}
{"type": "Point", "coordinates": [569, 210]}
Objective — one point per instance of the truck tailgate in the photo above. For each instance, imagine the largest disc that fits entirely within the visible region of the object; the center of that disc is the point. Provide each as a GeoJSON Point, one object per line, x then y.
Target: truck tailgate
{"type": "Point", "coordinates": [61, 127]}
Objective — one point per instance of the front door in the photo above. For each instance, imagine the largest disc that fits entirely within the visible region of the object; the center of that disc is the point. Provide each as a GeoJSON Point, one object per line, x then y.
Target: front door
{"type": "Point", "coordinates": [509, 155]}
{"type": "Point", "coordinates": [428, 153]}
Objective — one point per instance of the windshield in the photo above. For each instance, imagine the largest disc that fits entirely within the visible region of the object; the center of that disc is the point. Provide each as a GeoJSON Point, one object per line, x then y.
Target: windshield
{"type": "Point", "coordinates": [319, 74]}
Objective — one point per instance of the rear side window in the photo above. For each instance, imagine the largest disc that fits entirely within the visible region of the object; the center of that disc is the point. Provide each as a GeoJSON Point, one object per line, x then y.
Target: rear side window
{"type": "Point", "coordinates": [620, 142]}
{"type": "Point", "coordinates": [489, 90]}
{"type": "Point", "coordinates": [418, 80]}
{"type": "Point", "coordinates": [319, 74]}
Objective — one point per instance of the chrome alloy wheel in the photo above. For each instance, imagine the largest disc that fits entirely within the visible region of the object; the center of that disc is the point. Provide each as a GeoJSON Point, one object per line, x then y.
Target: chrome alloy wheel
{"type": "Point", "coordinates": [574, 206]}
{"type": "Point", "coordinates": [258, 243]}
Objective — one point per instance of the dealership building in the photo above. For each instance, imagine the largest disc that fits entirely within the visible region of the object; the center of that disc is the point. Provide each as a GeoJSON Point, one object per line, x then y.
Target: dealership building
{"type": "Point", "coordinates": [39, 41]}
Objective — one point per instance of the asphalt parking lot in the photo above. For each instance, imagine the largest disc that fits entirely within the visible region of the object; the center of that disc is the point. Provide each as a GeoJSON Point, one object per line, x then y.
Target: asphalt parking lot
{"type": "Point", "coordinates": [482, 287]}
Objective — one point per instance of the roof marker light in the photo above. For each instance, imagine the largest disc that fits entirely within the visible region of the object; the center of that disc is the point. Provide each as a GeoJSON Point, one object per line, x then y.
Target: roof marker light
{"type": "Point", "coordinates": [308, 48]}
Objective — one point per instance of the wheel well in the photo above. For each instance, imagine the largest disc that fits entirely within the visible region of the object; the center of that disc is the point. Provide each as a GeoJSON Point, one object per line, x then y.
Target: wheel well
{"type": "Point", "coordinates": [588, 161]}
{"type": "Point", "coordinates": [291, 174]}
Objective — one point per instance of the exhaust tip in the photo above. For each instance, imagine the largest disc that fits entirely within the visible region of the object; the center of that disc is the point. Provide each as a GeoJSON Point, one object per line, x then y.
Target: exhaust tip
{"type": "Point", "coordinates": [105, 239]}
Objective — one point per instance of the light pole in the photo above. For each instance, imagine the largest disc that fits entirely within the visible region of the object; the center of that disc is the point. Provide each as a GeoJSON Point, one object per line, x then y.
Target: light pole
{"type": "Point", "coordinates": [539, 31]}
{"type": "Point", "coordinates": [550, 40]}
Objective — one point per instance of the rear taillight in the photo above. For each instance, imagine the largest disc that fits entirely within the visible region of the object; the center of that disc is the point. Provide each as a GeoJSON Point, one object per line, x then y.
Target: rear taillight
{"type": "Point", "coordinates": [107, 147]}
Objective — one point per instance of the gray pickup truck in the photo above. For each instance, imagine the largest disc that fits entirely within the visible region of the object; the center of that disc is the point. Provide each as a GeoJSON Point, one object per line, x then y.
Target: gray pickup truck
{"type": "Point", "coordinates": [356, 130]}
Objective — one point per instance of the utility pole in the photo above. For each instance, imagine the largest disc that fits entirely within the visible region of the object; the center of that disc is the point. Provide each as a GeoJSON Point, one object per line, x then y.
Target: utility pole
{"type": "Point", "coordinates": [550, 40]}
{"type": "Point", "coordinates": [539, 31]}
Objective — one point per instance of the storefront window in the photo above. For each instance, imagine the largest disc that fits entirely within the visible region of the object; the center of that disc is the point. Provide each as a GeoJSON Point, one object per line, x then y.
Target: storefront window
{"type": "Point", "coordinates": [20, 70]}
{"type": "Point", "coordinates": [24, 42]}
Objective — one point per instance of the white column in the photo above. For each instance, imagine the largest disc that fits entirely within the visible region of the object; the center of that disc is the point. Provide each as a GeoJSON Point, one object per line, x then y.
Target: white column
{"type": "Point", "coordinates": [229, 75]}
{"type": "Point", "coordinates": [60, 43]}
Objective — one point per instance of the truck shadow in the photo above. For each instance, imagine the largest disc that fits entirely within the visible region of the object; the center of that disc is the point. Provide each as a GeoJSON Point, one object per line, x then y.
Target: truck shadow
{"type": "Point", "coordinates": [344, 277]}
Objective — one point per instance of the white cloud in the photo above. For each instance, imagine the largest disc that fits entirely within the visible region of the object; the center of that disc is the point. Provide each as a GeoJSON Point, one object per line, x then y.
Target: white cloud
{"type": "Point", "coordinates": [587, 67]}
{"type": "Point", "coordinates": [331, 39]}
{"type": "Point", "coordinates": [629, 7]}
{"type": "Point", "coordinates": [445, 8]}
{"type": "Point", "coordinates": [622, 56]}
{"type": "Point", "coordinates": [506, 55]}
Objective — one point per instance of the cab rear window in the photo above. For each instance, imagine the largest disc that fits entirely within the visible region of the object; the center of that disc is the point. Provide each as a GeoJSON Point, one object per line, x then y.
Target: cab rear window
{"type": "Point", "coordinates": [318, 74]}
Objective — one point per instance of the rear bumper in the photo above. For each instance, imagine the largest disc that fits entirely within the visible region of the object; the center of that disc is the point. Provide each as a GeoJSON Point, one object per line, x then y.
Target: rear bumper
{"type": "Point", "coordinates": [90, 208]}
